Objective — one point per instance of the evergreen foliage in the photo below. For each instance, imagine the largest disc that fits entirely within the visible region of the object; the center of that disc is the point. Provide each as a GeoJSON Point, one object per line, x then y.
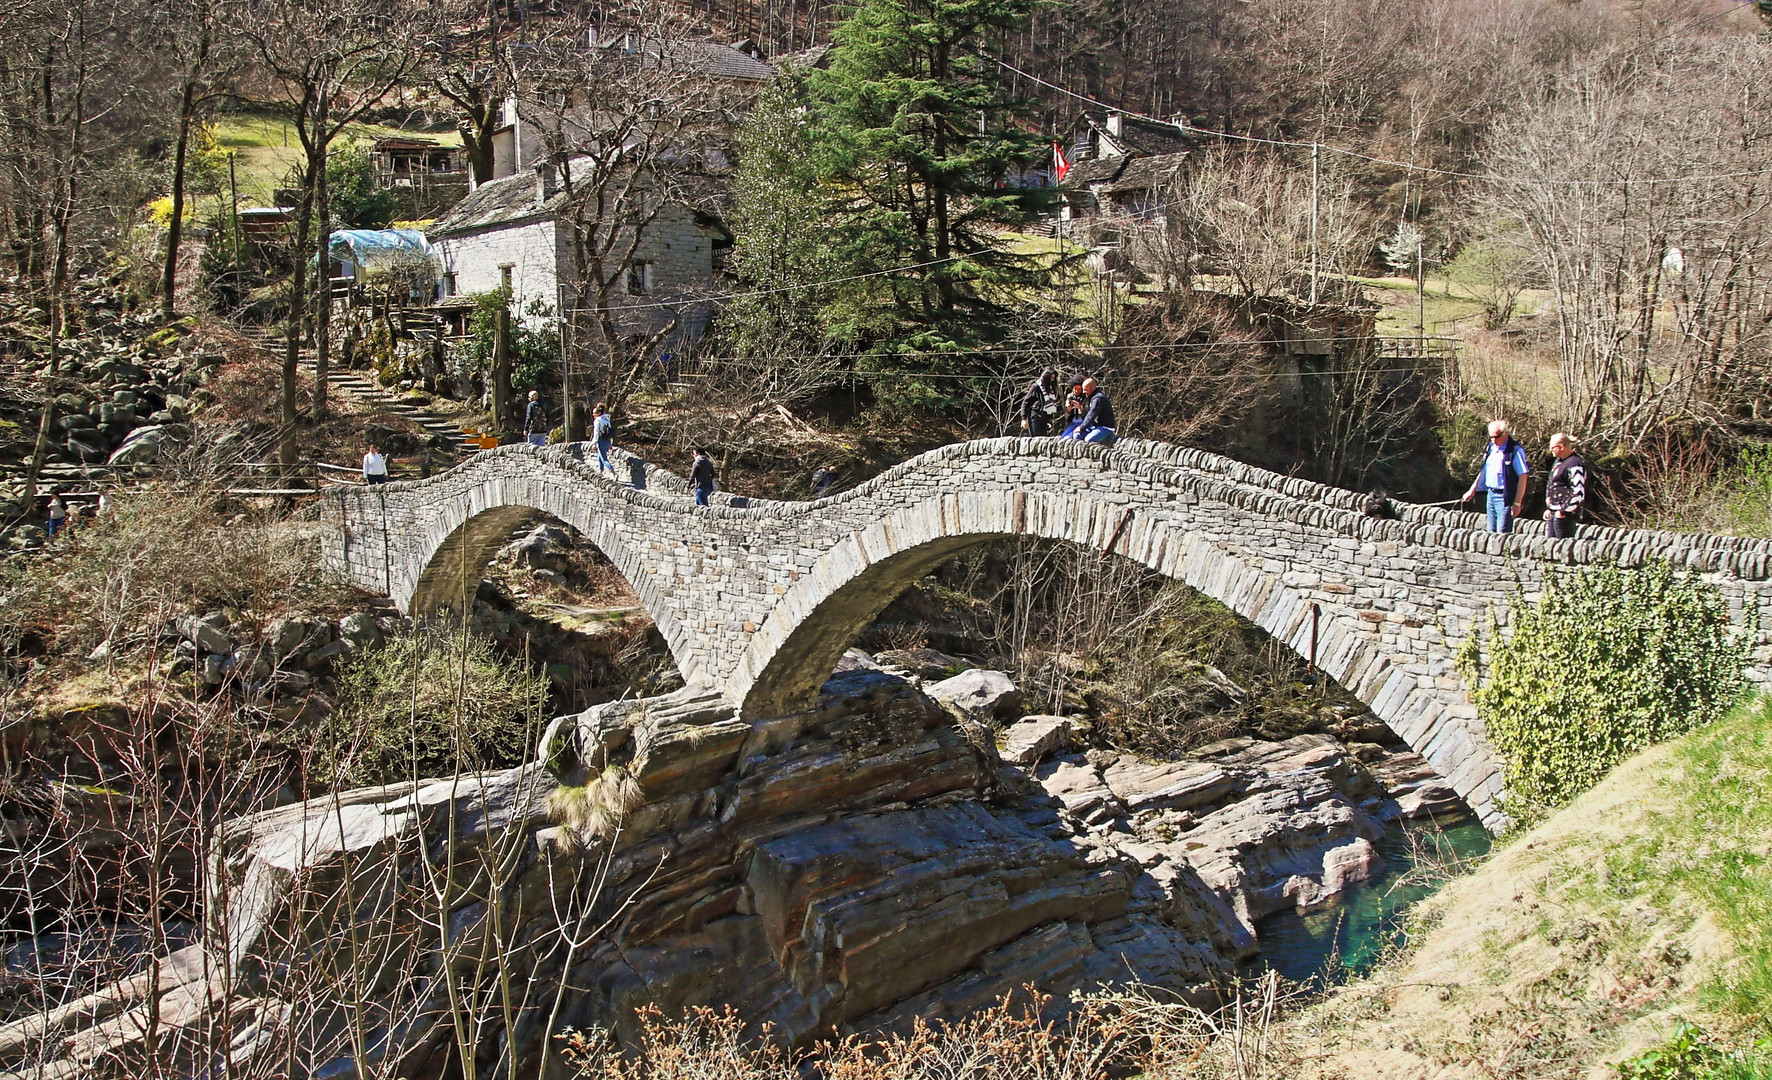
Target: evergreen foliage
{"type": "Point", "coordinates": [358, 201]}
{"type": "Point", "coordinates": [1605, 664]}
{"type": "Point", "coordinates": [777, 219]}
{"type": "Point", "coordinates": [915, 144]}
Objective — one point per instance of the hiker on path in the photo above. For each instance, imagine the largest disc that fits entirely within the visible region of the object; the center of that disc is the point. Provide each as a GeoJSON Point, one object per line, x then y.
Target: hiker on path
{"type": "Point", "coordinates": [600, 431]}
{"type": "Point", "coordinates": [375, 466]}
{"type": "Point", "coordinates": [535, 421]}
{"type": "Point", "coordinates": [1565, 493]}
{"type": "Point", "coordinates": [1040, 407]}
{"type": "Point", "coordinates": [701, 473]}
{"type": "Point", "coordinates": [58, 514]}
{"type": "Point", "coordinates": [1097, 425]}
{"type": "Point", "coordinates": [1503, 477]}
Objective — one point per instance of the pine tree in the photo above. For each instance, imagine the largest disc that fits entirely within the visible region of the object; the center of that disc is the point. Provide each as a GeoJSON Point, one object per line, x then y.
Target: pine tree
{"type": "Point", "coordinates": [915, 138]}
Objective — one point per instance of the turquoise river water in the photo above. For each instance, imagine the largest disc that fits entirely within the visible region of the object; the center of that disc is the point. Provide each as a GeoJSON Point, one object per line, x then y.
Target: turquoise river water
{"type": "Point", "coordinates": [1345, 939]}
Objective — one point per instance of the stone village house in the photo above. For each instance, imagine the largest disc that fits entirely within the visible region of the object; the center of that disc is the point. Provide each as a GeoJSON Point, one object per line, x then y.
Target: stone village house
{"type": "Point", "coordinates": [515, 231]}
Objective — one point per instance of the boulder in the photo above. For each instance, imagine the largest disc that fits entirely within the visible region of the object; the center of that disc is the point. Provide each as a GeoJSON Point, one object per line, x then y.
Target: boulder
{"type": "Point", "coordinates": [854, 660]}
{"type": "Point", "coordinates": [210, 633]}
{"type": "Point", "coordinates": [285, 636]}
{"type": "Point", "coordinates": [359, 632]}
{"type": "Point", "coordinates": [977, 694]}
{"type": "Point", "coordinates": [143, 446]}
{"type": "Point", "coordinates": [1029, 740]}
{"type": "Point", "coordinates": [544, 547]}
{"type": "Point", "coordinates": [923, 663]}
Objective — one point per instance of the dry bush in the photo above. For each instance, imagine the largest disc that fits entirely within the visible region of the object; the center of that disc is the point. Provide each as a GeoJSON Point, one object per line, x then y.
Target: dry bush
{"type": "Point", "coordinates": [159, 551]}
{"type": "Point", "coordinates": [1009, 1041]}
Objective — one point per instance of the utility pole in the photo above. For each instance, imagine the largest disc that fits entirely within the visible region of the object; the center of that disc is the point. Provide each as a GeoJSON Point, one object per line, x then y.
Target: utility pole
{"type": "Point", "coordinates": [1420, 300]}
{"type": "Point", "coordinates": [1315, 173]}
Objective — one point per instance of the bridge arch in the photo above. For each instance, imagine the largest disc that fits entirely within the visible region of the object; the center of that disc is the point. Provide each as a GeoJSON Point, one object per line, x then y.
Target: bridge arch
{"type": "Point", "coordinates": [433, 552]}
{"type": "Point", "coordinates": [793, 652]}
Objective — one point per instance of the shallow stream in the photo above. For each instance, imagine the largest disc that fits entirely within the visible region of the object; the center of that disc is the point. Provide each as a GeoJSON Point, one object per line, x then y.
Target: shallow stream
{"type": "Point", "coordinates": [1344, 940]}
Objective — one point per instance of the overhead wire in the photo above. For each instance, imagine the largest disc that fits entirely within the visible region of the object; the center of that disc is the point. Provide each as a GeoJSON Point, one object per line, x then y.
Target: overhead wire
{"type": "Point", "coordinates": [1295, 144]}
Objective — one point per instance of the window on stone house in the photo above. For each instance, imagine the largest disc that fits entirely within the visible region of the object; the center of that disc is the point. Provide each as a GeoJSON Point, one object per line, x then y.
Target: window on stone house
{"type": "Point", "coordinates": [639, 278]}
{"type": "Point", "coordinates": [505, 274]}
{"type": "Point", "coordinates": [449, 284]}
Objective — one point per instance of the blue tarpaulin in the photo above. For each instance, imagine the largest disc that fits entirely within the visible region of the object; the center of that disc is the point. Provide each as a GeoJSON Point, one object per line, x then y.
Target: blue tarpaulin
{"type": "Point", "coordinates": [383, 249]}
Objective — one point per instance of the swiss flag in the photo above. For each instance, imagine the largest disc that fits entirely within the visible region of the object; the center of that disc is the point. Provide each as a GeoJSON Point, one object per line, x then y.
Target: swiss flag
{"type": "Point", "coordinates": [1060, 164]}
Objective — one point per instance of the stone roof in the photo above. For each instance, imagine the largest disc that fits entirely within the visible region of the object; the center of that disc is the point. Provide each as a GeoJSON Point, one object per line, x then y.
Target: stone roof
{"type": "Point", "coordinates": [1146, 173]}
{"type": "Point", "coordinates": [497, 203]}
{"type": "Point", "coordinates": [516, 200]}
{"type": "Point", "coordinates": [1144, 137]}
{"type": "Point", "coordinates": [725, 62]}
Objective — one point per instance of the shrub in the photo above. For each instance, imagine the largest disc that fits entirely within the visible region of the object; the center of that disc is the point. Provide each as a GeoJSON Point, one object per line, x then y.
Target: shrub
{"type": "Point", "coordinates": [1606, 663]}
{"type": "Point", "coordinates": [429, 704]}
{"type": "Point", "coordinates": [1686, 1055]}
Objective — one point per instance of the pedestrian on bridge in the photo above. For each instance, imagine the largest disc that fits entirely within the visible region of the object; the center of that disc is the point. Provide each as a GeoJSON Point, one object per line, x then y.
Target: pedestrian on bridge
{"type": "Point", "coordinates": [701, 473]}
{"type": "Point", "coordinates": [535, 421]}
{"type": "Point", "coordinates": [1097, 425]}
{"type": "Point", "coordinates": [601, 427]}
{"type": "Point", "coordinates": [375, 466]}
{"type": "Point", "coordinates": [1565, 493]}
{"type": "Point", "coordinates": [1503, 478]}
{"type": "Point", "coordinates": [1040, 406]}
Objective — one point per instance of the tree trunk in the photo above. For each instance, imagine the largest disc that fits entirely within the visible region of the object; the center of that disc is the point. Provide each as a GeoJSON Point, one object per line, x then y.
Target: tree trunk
{"type": "Point", "coordinates": [322, 265]}
{"type": "Point", "coordinates": [298, 304]}
{"type": "Point", "coordinates": [175, 229]}
{"type": "Point", "coordinates": [503, 417]}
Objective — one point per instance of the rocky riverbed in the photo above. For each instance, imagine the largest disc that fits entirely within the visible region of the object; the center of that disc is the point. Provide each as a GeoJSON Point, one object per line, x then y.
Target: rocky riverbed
{"type": "Point", "coordinates": [899, 850]}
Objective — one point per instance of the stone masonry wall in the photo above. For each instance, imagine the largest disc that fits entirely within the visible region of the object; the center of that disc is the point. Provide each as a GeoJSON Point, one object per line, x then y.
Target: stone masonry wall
{"type": "Point", "coordinates": [757, 598]}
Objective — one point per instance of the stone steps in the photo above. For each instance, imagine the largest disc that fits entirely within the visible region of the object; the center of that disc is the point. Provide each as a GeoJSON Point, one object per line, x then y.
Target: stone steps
{"type": "Point", "coordinates": [369, 393]}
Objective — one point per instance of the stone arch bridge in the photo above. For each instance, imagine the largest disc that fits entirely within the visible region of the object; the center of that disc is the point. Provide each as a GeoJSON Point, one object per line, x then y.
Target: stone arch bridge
{"type": "Point", "coordinates": [758, 599]}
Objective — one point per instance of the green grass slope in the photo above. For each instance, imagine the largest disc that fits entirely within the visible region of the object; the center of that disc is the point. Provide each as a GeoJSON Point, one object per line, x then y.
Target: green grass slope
{"type": "Point", "coordinates": [1634, 925]}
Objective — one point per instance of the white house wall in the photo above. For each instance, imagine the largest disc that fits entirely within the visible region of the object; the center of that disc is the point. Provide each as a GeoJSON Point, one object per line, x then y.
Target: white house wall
{"type": "Point", "coordinates": [531, 250]}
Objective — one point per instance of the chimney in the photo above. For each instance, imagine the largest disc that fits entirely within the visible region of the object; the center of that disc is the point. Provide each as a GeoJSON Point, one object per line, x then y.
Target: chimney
{"type": "Point", "coordinates": [547, 181]}
{"type": "Point", "coordinates": [1113, 123]}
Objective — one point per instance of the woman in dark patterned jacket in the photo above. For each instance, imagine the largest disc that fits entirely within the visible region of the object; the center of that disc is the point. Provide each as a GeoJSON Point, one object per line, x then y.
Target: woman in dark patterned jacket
{"type": "Point", "coordinates": [1566, 491]}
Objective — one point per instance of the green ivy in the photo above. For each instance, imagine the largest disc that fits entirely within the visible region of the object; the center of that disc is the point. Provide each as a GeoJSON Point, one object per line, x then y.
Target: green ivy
{"type": "Point", "coordinates": [1603, 665]}
{"type": "Point", "coordinates": [1686, 1055]}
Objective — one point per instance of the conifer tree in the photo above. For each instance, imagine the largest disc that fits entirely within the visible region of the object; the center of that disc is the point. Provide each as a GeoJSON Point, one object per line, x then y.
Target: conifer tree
{"type": "Point", "coordinates": [917, 145]}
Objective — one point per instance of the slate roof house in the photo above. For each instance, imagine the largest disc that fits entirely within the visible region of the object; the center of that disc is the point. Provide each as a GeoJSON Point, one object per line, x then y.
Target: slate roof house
{"type": "Point", "coordinates": [1120, 165]}
{"type": "Point", "coordinates": [517, 233]}
{"type": "Point", "coordinates": [516, 230]}
{"type": "Point", "coordinates": [519, 144]}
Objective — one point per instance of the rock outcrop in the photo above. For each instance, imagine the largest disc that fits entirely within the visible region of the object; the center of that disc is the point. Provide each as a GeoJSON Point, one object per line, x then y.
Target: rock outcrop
{"type": "Point", "coordinates": [846, 867]}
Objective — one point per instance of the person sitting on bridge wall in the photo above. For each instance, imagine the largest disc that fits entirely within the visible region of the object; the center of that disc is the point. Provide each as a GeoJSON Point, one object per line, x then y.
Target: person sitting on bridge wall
{"type": "Point", "coordinates": [1040, 405]}
{"type": "Point", "coordinates": [1097, 425]}
{"type": "Point", "coordinates": [600, 431]}
{"type": "Point", "coordinates": [535, 421]}
{"type": "Point", "coordinates": [1503, 476]}
{"type": "Point", "coordinates": [1565, 492]}
{"type": "Point", "coordinates": [824, 476]}
{"type": "Point", "coordinates": [701, 473]}
{"type": "Point", "coordinates": [375, 466]}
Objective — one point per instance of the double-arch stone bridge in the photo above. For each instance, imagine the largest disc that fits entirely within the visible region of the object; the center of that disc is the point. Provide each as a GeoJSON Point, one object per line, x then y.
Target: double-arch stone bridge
{"type": "Point", "coordinates": [758, 599]}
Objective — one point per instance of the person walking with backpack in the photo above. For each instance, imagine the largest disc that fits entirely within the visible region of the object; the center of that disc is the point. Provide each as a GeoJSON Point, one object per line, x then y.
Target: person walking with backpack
{"type": "Point", "coordinates": [1503, 477]}
{"type": "Point", "coordinates": [601, 428]}
{"type": "Point", "coordinates": [535, 421]}
{"type": "Point", "coordinates": [701, 474]}
{"type": "Point", "coordinates": [1040, 406]}
{"type": "Point", "coordinates": [1565, 493]}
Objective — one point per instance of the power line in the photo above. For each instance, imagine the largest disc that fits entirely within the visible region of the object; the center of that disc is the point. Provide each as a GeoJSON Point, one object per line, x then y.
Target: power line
{"type": "Point", "coordinates": [1187, 129]}
{"type": "Point", "coordinates": [775, 291]}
